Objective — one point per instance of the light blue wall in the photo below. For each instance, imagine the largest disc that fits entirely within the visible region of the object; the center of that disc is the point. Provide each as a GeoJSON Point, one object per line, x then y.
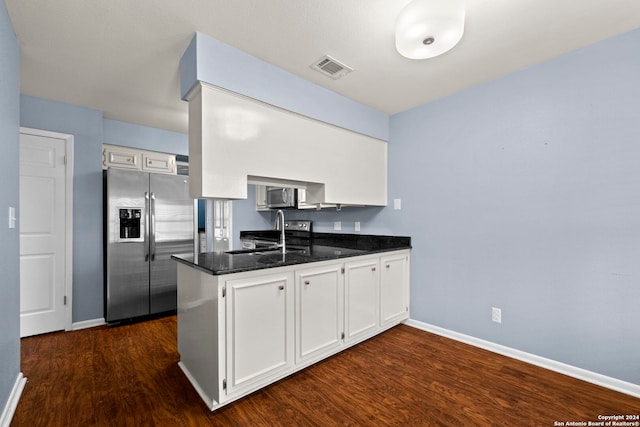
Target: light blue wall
{"type": "Point", "coordinates": [86, 127]}
{"type": "Point", "coordinates": [520, 194]}
{"type": "Point", "coordinates": [245, 216]}
{"type": "Point", "coordinates": [524, 194]}
{"type": "Point", "coordinates": [219, 64]}
{"type": "Point", "coordinates": [373, 220]}
{"type": "Point", "coordinates": [9, 243]}
{"type": "Point", "coordinates": [145, 138]}
{"type": "Point", "coordinates": [89, 130]}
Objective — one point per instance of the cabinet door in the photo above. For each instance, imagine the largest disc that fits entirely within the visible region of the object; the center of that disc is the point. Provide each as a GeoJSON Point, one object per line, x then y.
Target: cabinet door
{"type": "Point", "coordinates": [120, 157]}
{"type": "Point", "coordinates": [302, 202]}
{"type": "Point", "coordinates": [159, 162]}
{"type": "Point", "coordinates": [361, 284]}
{"type": "Point", "coordinates": [261, 198]}
{"type": "Point", "coordinates": [259, 330]}
{"type": "Point", "coordinates": [394, 288]}
{"type": "Point", "coordinates": [319, 316]}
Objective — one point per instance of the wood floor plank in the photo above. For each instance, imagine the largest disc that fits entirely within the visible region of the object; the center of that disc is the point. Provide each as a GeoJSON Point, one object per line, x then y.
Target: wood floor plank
{"type": "Point", "coordinates": [128, 376]}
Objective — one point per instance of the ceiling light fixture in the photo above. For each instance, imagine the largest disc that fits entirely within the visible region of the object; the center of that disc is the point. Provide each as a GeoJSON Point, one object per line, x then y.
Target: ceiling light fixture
{"type": "Point", "coordinates": [428, 28]}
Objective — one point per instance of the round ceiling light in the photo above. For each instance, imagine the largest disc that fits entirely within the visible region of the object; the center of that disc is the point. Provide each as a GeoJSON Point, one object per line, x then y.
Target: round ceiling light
{"type": "Point", "coordinates": [428, 28]}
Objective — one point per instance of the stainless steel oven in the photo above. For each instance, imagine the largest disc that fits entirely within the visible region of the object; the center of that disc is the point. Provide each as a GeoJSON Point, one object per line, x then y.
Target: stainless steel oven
{"type": "Point", "coordinates": [282, 197]}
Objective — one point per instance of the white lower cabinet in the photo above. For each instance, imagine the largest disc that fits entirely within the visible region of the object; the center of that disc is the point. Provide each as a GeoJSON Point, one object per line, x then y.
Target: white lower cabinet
{"type": "Point", "coordinates": [319, 311]}
{"type": "Point", "coordinates": [240, 332]}
{"type": "Point", "coordinates": [394, 289]}
{"type": "Point", "coordinates": [362, 298]}
{"type": "Point", "coordinates": [259, 336]}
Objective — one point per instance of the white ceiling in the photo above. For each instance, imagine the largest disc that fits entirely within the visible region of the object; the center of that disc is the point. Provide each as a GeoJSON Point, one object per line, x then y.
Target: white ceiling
{"type": "Point", "coordinates": [121, 56]}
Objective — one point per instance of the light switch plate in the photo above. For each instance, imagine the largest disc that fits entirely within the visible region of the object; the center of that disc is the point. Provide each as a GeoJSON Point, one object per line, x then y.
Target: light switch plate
{"type": "Point", "coordinates": [357, 225]}
{"type": "Point", "coordinates": [397, 204]}
{"type": "Point", "coordinates": [12, 217]}
{"type": "Point", "coordinates": [337, 225]}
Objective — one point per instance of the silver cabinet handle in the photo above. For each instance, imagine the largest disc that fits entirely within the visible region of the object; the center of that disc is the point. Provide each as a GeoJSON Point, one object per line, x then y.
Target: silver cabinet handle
{"type": "Point", "coordinates": [146, 226]}
{"type": "Point", "coordinates": [152, 227]}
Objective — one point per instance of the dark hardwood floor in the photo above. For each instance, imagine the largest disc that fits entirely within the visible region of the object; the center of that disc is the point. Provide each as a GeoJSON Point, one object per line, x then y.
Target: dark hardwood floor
{"type": "Point", "coordinates": [128, 376]}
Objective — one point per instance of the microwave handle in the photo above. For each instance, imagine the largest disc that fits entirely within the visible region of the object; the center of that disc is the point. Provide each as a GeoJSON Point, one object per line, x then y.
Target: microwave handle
{"type": "Point", "coordinates": [285, 195]}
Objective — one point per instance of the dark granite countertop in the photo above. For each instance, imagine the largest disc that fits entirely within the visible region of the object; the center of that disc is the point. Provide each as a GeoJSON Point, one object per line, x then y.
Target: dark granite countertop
{"type": "Point", "coordinates": [326, 246]}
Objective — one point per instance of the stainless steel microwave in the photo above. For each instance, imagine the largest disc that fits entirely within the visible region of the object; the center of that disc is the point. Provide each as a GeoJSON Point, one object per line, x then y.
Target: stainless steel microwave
{"type": "Point", "coordinates": [282, 197]}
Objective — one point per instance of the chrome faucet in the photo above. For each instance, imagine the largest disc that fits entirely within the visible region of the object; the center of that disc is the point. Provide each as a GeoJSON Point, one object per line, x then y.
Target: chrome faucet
{"type": "Point", "coordinates": [280, 226]}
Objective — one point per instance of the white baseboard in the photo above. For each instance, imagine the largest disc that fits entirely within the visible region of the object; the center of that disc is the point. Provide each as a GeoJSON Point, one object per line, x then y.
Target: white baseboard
{"type": "Point", "coordinates": [12, 402]}
{"type": "Point", "coordinates": [211, 404]}
{"type": "Point", "coordinates": [87, 324]}
{"type": "Point", "coordinates": [563, 368]}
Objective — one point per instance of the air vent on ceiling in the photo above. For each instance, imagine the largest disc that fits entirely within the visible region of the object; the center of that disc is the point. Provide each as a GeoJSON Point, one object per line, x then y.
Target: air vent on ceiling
{"type": "Point", "coordinates": [330, 67]}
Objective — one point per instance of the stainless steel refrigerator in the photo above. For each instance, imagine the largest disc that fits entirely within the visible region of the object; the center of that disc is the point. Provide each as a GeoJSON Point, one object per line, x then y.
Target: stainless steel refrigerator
{"type": "Point", "coordinates": [148, 218]}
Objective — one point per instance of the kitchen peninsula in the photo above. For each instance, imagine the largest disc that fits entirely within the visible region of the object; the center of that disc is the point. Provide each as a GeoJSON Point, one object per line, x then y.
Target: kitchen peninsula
{"type": "Point", "coordinates": [251, 317]}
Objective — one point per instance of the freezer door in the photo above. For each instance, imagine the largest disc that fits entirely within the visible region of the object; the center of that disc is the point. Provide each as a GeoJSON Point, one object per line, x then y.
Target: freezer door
{"type": "Point", "coordinates": [127, 278]}
{"type": "Point", "coordinates": [171, 232]}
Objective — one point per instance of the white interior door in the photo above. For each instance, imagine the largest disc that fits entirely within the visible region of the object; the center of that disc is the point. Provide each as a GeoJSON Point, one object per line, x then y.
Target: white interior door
{"type": "Point", "coordinates": [43, 233]}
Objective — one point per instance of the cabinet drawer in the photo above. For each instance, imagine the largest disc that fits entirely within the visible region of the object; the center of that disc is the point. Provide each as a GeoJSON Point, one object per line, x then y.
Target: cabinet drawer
{"type": "Point", "coordinates": [159, 163]}
{"type": "Point", "coordinates": [121, 159]}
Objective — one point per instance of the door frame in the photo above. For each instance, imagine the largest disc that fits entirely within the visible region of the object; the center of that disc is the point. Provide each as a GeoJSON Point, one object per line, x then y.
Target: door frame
{"type": "Point", "coordinates": [68, 208]}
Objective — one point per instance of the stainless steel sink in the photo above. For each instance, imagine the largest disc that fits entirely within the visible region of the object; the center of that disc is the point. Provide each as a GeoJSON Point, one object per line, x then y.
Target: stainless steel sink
{"type": "Point", "coordinates": [249, 251]}
{"type": "Point", "coordinates": [263, 251]}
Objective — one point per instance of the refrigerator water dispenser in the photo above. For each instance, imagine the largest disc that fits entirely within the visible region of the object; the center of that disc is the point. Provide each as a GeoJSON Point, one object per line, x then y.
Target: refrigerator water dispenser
{"type": "Point", "coordinates": [130, 223]}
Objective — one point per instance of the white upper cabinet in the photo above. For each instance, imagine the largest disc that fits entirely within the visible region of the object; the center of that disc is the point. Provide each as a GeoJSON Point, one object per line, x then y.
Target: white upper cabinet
{"type": "Point", "coordinates": [261, 198]}
{"type": "Point", "coordinates": [158, 162]}
{"type": "Point", "coordinates": [121, 157]}
{"type": "Point", "coordinates": [115, 156]}
{"type": "Point", "coordinates": [235, 140]}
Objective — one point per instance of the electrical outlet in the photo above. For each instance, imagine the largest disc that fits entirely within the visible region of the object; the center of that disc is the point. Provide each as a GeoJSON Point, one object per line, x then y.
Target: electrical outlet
{"type": "Point", "coordinates": [357, 225]}
{"type": "Point", "coordinates": [337, 225]}
{"type": "Point", "coordinates": [397, 204]}
{"type": "Point", "coordinates": [496, 315]}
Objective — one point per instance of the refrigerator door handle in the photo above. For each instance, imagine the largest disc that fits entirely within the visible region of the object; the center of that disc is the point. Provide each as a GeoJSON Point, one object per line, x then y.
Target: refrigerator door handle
{"type": "Point", "coordinates": [146, 227]}
{"type": "Point", "coordinates": [152, 230]}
